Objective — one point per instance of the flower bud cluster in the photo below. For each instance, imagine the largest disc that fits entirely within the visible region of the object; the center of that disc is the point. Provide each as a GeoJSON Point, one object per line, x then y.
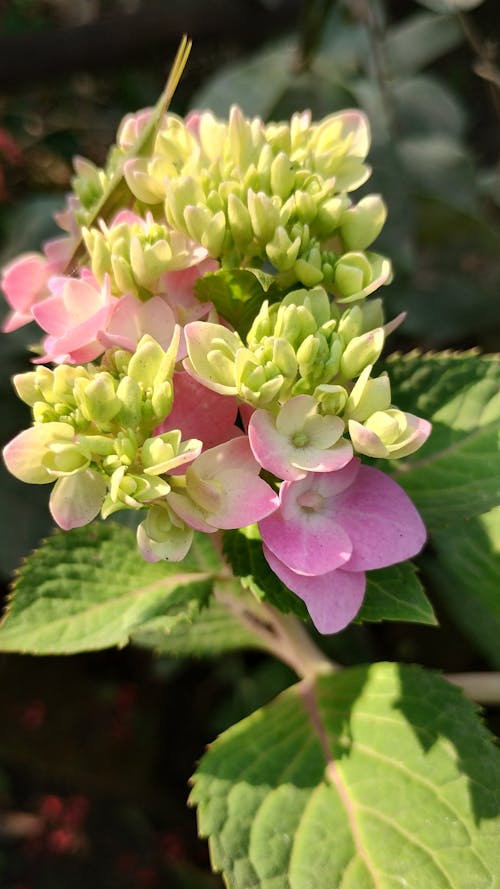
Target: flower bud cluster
{"type": "Point", "coordinates": [108, 433]}
{"type": "Point", "coordinates": [102, 419]}
{"type": "Point", "coordinates": [251, 193]}
{"type": "Point", "coordinates": [134, 253]}
{"type": "Point", "coordinates": [297, 346]}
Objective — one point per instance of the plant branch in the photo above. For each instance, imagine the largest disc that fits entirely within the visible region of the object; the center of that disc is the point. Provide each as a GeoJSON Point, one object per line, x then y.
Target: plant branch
{"type": "Point", "coordinates": [283, 635]}
{"type": "Point", "coordinates": [481, 687]}
{"type": "Point", "coordinates": [486, 53]}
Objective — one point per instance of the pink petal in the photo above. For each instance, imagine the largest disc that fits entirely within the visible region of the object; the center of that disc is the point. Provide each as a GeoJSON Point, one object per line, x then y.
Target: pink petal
{"type": "Point", "coordinates": [248, 499]}
{"type": "Point", "coordinates": [307, 542]}
{"type": "Point", "coordinates": [131, 319]}
{"type": "Point", "coordinates": [333, 599]}
{"type": "Point", "coordinates": [24, 280]}
{"type": "Point", "coordinates": [189, 512]}
{"type": "Point", "coordinates": [77, 499]}
{"type": "Point", "coordinates": [200, 413]}
{"type": "Point", "coordinates": [381, 521]}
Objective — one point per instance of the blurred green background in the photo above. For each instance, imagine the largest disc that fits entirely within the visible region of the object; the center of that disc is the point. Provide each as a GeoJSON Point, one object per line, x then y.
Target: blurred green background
{"type": "Point", "coordinates": [96, 750]}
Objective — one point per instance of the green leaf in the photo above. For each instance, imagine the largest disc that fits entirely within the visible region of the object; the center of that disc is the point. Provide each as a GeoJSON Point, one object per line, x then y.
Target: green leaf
{"type": "Point", "coordinates": [456, 474]}
{"type": "Point", "coordinates": [212, 631]}
{"type": "Point", "coordinates": [396, 593]}
{"type": "Point", "coordinates": [450, 5]}
{"type": "Point", "coordinates": [464, 566]}
{"type": "Point", "coordinates": [439, 167]}
{"type": "Point", "coordinates": [244, 554]}
{"type": "Point", "coordinates": [372, 778]}
{"type": "Point", "coordinates": [421, 39]}
{"type": "Point", "coordinates": [238, 294]}
{"type": "Point", "coordinates": [393, 593]}
{"type": "Point", "coordinates": [89, 589]}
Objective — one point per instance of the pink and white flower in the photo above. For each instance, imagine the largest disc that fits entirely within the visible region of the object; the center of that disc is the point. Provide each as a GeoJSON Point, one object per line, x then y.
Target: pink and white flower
{"type": "Point", "coordinates": [73, 316]}
{"type": "Point", "coordinates": [222, 489]}
{"type": "Point", "coordinates": [332, 527]}
{"type": "Point", "coordinates": [298, 440]}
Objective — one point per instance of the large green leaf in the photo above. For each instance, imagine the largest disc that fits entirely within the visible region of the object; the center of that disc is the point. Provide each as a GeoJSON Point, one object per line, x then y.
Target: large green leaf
{"type": "Point", "coordinates": [374, 778]}
{"type": "Point", "coordinates": [456, 474]}
{"type": "Point", "coordinates": [214, 630]}
{"type": "Point", "coordinates": [89, 589]}
{"type": "Point", "coordinates": [464, 566]}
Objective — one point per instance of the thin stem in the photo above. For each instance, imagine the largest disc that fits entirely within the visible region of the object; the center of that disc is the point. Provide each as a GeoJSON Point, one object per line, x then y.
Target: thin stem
{"type": "Point", "coordinates": [283, 635]}
{"type": "Point", "coordinates": [481, 687]}
{"type": "Point", "coordinates": [371, 14]}
{"type": "Point", "coordinates": [485, 66]}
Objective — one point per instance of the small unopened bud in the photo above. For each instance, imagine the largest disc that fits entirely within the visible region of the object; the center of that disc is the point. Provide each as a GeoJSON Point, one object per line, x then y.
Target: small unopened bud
{"type": "Point", "coordinates": [360, 352]}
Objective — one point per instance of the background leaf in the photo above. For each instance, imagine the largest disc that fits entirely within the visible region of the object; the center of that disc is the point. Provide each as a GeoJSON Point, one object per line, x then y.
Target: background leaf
{"type": "Point", "coordinates": [255, 84]}
{"type": "Point", "coordinates": [464, 567]}
{"type": "Point", "coordinates": [456, 474]}
{"type": "Point", "coordinates": [375, 777]}
{"type": "Point", "coordinates": [89, 588]}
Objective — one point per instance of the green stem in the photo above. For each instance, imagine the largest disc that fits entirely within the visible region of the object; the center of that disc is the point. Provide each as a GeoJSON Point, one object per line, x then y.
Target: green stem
{"type": "Point", "coordinates": [283, 635]}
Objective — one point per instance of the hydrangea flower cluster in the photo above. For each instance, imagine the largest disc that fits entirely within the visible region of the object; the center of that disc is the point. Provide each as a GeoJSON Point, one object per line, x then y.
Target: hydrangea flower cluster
{"type": "Point", "coordinates": [157, 403]}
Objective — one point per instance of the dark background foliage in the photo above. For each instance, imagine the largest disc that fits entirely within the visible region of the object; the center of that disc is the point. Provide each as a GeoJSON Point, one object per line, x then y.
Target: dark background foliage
{"type": "Point", "coordinates": [96, 750]}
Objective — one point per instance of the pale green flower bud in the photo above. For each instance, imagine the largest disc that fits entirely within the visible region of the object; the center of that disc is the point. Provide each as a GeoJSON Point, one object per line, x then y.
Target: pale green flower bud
{"type": "Point", "coordinates": [282, 251]}
{"type": "Point", "coordinates": [129, 394]}
{"type": "Point", "coordinates": [351, 323]}
{"type": "Point", "coordinates": [163, 535]}
{"type": "Point", "coordinates": [315, 301]}
{"type": "Point", "coordinates": [97, 399]}
{"type": "Point", "coordinates": [239, 221]}
{"type": "Point", "coordinates": [294, 323]}
{"type": "Point", "coordinates": [368, 396]}
{"type": "Point", "coordinates": [306, 207]}
{"type": "Point", "coordinates": [352, 273]}
{"type": "Point", "coordinates": [264, 215]}
{"type": "Point", "coordinates": [95, 445]}
{"type": "Point", "coordinates": [282, 175]}
{"type": "Point", "coordinates": [373, 314]}
{"type": "Point", "coordinates": [122, 275]}
{"type": "Point", "coordinates": [361, 351]}
{"type": "Point", "coordinates": [182, 192]}
{"type": "Point", "coordinates": [264, 323]}
{"type": "Point", "coordinates": [162, 400]}
{"type": "Point", "coordinates": [64, 458]}
{"type": "Point", "coordinates": [389, 434]}
{"type": "Point", "coordinates": [149, 364]}
{"type": "Point", "coordinates": [143, 180]}
{"type": "Point", "coordinates": [165, 452]}
{"type": "Point", "coordinates": [125, 446]}
{"type": "Point", "coordinates": [332, 398]}
{"type": "Point", "coordinates": [328, 215]}
{"type": "Point", "coordinates": [309, 271]}
{"type": "Point", "coordinates": [131, 491]}
{"type": "Point", "coordinates": [361, 224]}
{"type": "Point", "coordinates": [27, 388]}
